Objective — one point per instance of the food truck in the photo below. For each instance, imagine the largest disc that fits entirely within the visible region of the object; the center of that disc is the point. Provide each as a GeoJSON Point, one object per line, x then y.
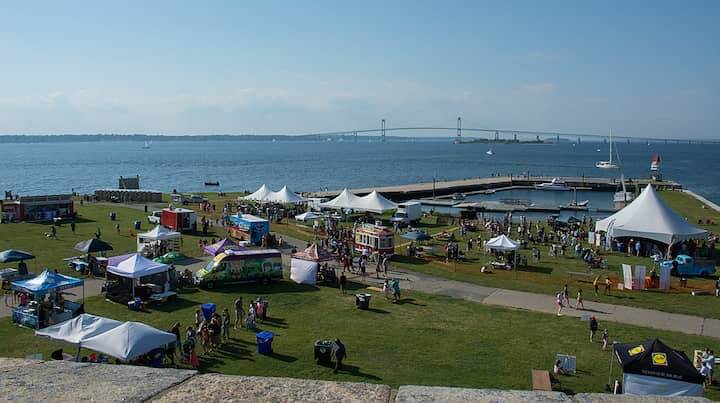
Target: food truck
{"type": "Point", "coordinates": [374, 238]}
{"type": "Point", "coordinates": [241, 266]}
{"type": "Point", "coordinates": [248, 228]}
{"type": "Point", "coordinates": [178, 219]}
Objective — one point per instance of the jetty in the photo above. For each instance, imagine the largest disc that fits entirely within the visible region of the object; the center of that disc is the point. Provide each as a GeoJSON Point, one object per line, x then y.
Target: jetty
{"type": "Point", "coordinates": [401, 193]}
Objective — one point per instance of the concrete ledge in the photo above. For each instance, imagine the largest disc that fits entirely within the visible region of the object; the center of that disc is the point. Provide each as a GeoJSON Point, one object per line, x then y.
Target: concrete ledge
{"type": "Point", "coordinates": [407, 394]}
{"type": "Point", "coordinates": [607, 398]}
{"type": "Point", "coordinates": [216, 387]}
{"type": "Point", "coordinates": [66, 381]}
{"type": "Point", "coordinates": [10, 363]}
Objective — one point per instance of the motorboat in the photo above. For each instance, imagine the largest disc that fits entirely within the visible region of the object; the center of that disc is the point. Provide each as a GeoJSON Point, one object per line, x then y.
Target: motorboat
{"type": "Point", "coordinates": [211, 183]}
{"type": "Point", "coordinates": [554, 184]}
{"type": "Point", "coordinates": [607, 164]}
{"type": "Point", "coordinates": [458, 196]}
{"type": "Point", "coordinates": [574, 204]}
{"type": "Point", "coordinates": [655, 163]}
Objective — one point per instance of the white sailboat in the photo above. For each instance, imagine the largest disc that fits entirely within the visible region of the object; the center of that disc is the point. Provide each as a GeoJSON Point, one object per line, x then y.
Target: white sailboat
{"type": "Point", "coordinates": [146, 146]}
{"type": "Point", "coordinates": [490, 152]}
{"type": "Point", "coordinates": [607, 164]}
{"type": "Point", "coordinates": [623, 197]}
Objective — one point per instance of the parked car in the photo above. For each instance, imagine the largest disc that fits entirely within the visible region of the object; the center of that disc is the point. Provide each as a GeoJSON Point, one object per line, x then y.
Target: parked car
{"type": "Point", "coordinates": [684, 265]}
{"type": "Point", "coordinates": [154, 217]}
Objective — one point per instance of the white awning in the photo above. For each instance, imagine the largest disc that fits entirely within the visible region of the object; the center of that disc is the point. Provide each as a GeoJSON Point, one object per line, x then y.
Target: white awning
{"type": "Point", "coordinates": [501, 243]}
{"type": "Point", "coordinates": [78, 329]}
{"type": "Point", "coordinates": [307, 216]}
{"type": "Point", "coordinates": [137, 266]}
{"type": "Point", "coordinates": [649, 217]}
{"type": "Point", "coordinates": [259, 194]}
{"type": "Point", "coordinates": [159, 233]}
{"type": "Point", "coordinates": [284, 196]}
{"type": "Point", "coordinates": [373, 202]}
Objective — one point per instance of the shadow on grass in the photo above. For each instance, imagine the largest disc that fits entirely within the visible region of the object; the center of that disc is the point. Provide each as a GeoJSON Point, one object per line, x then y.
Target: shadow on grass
{"type": "Point", "coordinates": [408, 301]}
{"type": "Point", "coordinates": [535, 269]}
{"type": "Point", "coordinates": [375, 310]}
{"type": "Point", "coordinates": [178, 304]}
{"type": "Point", "coordinates": [282, 287]}
{"type": "Point", "coordinates": [274, 322]}
{"type": "Point", "coordinates": [187, 261]}
{"type": "Point", "coordinates": [282, 357]}
{"type": "Point", "coordinates": [409, 260]}
{"type": "Point", "coordinates": [355, 371]}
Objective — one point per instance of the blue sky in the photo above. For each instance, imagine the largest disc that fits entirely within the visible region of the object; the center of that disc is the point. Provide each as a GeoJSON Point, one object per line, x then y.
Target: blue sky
{"type": "Point", "coordinates": [644, 68]}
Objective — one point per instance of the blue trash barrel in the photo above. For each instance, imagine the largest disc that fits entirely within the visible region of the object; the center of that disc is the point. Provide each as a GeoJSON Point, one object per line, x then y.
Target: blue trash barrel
{"type": "Point", "coordinates": [264, 342]}
{"type": "Point", "coordinates": [137, 224]}
{"type": "Point", "coordinates": [207, 310]}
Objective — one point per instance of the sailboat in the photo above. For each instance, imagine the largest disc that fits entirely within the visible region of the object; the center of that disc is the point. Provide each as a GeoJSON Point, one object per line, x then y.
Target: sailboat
{"type": "Point", "coordinates": [146, 146]}
{"type": "Point", "coordinates": [655, 162]}
{"type": "Point", "coordinates": [623, 197]}
{"type": "Point", "coordinates": [490, 152]}
{"type": "Point", "coordinates": [607, 164]}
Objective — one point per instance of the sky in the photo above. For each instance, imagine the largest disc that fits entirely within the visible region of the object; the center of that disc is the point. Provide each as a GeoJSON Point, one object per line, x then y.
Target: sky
{"type": "Point", "coordinates": [640, 68]}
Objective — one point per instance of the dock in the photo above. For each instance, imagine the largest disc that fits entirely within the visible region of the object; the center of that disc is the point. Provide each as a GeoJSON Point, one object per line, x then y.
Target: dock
{"type": "Point", "coordinates": [401, 193]}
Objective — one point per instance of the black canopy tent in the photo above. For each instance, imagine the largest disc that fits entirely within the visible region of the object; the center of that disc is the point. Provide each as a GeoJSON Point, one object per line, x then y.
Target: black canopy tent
{"type": "Point", "coordinates": [653, 368]}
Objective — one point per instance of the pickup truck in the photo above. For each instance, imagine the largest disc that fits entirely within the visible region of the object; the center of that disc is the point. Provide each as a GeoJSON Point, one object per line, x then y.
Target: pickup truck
{"type": "Point", "coordinates": [684, 265]}
{"type": "Point", "coordinates": [154, 218]}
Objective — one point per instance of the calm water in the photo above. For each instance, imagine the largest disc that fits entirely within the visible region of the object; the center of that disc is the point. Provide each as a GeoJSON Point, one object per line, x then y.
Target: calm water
{"type": "Point", "coordinates": [185, 166]}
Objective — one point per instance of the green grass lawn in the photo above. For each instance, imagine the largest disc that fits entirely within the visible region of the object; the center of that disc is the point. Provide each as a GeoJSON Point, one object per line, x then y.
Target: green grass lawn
{"type": "Point", "coordinates": [551, 273]}
{"type": "Point", "coordinates": [425, 340]}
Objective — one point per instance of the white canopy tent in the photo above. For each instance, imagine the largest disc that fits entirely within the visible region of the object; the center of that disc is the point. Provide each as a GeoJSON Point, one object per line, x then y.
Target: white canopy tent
{"type": "Point", "coordinates": [157, 234]}
{"type": "Point", "coordinates": [122, 340]}
{"type": "Point", "coordinates": [307, 216]}
{"type": "Point", "coordinates": [373, 202]}
{"type": "Point", "coordinates": [649, 217]}
{"type": "Point", "coordinates": [284, 196]}
{"type": "Point", "coordinates": [259, 194]}
{"type": "Point", "coordinates": [137, 266]}
{"type": "Point", "coordinates": [501, 243]}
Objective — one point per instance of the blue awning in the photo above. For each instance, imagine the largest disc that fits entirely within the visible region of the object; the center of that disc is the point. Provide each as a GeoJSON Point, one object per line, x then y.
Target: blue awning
{"type": "Point", "coordinates": [46, 282]}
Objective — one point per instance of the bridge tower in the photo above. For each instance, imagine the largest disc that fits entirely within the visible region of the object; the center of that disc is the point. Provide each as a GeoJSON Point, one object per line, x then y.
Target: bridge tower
{"type": "Point", "coordinates": [557, 139]}
{"type": "Point", "coordinates": [497, 135]}
{"type": "Point", "coordinates": [459, 129]}
{"type": "Point", "coordinates": [515, 137]}
{"type": "Point", "coordinates": [355, 135]}
{"type": "Point", "coordinates": [578, 140]}
{"type": "Point", "coordinates": [382, 130]}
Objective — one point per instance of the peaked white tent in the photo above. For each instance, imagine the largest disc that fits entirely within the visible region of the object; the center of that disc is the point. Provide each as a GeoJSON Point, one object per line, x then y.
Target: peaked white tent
{"type": "Point", "coordinates": [307, 216]}
{"type": "Point", "coordinates": [346, 199]}
{"type": "Point", "coordinates": [284, 196]}
{"type": "Point", "coordinates": [123, 340]}
{"type": "Point", "coordinates": [159, 233]}
{"type": "Point", "coordinates": [259, 194]}
{"type": "Point", "coordinates": [137, 266]}
{"type": "Point", "coordinates": [78, 329]}
{"type": "Point", "coordinates": [649, 217]}
{"type": "Point", "coordinates": [376, 203]}
{"type": "Point", "coordinates": [501, 243]}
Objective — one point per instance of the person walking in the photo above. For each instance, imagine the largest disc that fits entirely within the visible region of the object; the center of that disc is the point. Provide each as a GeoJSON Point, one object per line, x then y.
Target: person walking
{"type": "Point", "coordinates": [579, 300]}
{"type": "Point", "coordinates": [343, 282]}
{"type": "Point", "coordinates": [566, 295]}
{"type": "Point", "coordinates": [559, 302]}
{"type": "Point", "coordinates": [596, 285]}
{"type": "Point", "coordinates": [593, 329]}
{"type": "Point", "coordinates": [239, 312]}
{"type": "Point", "coordinates": [608, 285]}
{"type": "Point", "coordinates": [605, 338]}
{"type": "Point", "coordinates": [340, 354]}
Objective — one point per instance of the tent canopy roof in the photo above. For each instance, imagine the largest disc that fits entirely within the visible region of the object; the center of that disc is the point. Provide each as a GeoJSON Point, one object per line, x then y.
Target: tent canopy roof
{"type": "Point", "coordinates": [308, 215]}
{"type": "Point", "coordinates": [284, 196]}
{"type": "Point", "coordinates": [314, 253]}
{"type": "Point", "coordinates": [137, 266]}
{"type": "Point", "coordinates": [47, 281]}
{"type": "Point", "coordinates": [14, 255]}
{"type": "Point", "coordinates": [649, 217]}
{"type": "Point", "coordinates": [373, 202]}
{"type": "Point", "coordinates": [220, 246]}
{"type": "Point", "coordinates": [259, 194]}
{"type": "Point", "coordinates": [159, 233]}
{"type": "Point", "coordinates": [501, 243]}
{"type": "Point", "coordinates": [93, 245]}
{"type": "Point", "coordinates": [655, 358]}
{"type": "Point", "coordinates": [78, 329]}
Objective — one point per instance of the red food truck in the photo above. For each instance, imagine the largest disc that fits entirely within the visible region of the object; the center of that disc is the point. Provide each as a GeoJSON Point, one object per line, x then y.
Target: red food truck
{"type": "Point", "coordinates": [178, 219]}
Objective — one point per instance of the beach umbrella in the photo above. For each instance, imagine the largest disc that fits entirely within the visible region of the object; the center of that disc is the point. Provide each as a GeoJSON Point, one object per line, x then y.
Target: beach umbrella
{"type": "Point", "coordinates": [14, 255]}
{"type": "Point", "coordinates": [92, 246]}
{"type": "Point", "coordinates": [416, 236]}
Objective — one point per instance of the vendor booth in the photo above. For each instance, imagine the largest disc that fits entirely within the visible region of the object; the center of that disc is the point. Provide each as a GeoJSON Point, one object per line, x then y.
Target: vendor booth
{"type": "Point", "coordinates": [41, 300]}
{"type": "Point", "coordinates": [125, 341]}
{"type": "Point", "coordinates": [158, 241]}
{"type": "Point", "coordinates": [249, 228]}
{"type": "Point", "coordinates": [653, 368]}
{"type": "Point", "coordinates": [178, 219]}
{"type": "Point", "coordinates": [371, 238]}
{"type": "Point", "coordinates": [503, 244]}
{"type": "Point", "coordinates": [308, 216]}
{"type": "Point", "coordinates": [220, 247]}
{"type": "Point", "coordinates": [139, 277]}
{"type": "Point", "coordinates": [304, 265]}
{"type": "Point", "coordinates": [373, 202]}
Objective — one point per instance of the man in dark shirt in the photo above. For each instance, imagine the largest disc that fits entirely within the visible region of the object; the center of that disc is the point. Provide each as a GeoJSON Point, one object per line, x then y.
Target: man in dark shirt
{"type": "Point", "coordinates": [340, 354]}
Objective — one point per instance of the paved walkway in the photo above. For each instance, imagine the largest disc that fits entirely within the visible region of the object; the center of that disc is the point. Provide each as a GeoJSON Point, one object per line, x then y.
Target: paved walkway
{"type": "Point", "coordinates": [546, 303]}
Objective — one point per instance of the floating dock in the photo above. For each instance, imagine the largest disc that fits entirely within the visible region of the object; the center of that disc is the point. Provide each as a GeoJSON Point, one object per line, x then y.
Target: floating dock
{"type": "Point", "coordinates": [467, 186]}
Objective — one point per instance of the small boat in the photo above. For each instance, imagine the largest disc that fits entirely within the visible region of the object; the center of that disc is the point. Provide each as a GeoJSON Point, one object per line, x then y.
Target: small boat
{"type": "Point", "coordinates": [622, 197]}
{"type": "Point", "coordinates": [215, 183]}
{"type": "Point", "coordinates": [554, 184]}
{"type": "Point", "coordinates": [146, 146]}
{"type": "Point", "coordinates": [597, 150]}
{"type": "Point", "coordinates": [490, 152]}
{"type": "Point", "coordinates": [607, 164]}
{"type": "Point", "coordinates": [458, 196]}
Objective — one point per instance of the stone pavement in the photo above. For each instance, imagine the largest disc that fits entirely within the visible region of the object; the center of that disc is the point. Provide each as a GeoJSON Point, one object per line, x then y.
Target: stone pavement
{"type": "Point", "coordinates": [545, 303]}
{"type": "Point", "coordinates": [64, 381]}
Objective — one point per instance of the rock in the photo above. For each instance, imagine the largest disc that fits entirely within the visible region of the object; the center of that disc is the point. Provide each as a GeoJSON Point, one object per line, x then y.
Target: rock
{"type": "Point", "coordinates": [407, 394]}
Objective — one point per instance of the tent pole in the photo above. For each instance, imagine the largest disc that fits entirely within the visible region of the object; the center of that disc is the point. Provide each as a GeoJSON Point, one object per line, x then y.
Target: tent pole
{"type": "Point", "coordinates": [612, 388]}
{"type": "Point", "coordinates": [77, 356]}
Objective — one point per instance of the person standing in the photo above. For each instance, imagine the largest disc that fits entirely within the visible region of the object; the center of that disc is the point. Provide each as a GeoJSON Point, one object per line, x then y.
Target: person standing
{"type": "Point", "coordinates": [579, 300]}
{"type": "Point", "coordinates": [593, 328]}
{"type": "Point", "coordinates": [559, 302]}
{"type": "Point", "coordinates": [225, 324]}
{"type": "Point", "coordinates": [340, 353]}
{"type": "Point", "coordinates": [566, 295]}
{"type": "Point", "coordinates": [175, 329]}
{"type": "Point", "coordinates": [238, 312]}
{"type": "Point", "coordinates": [72, 226]}
{"type": "Point", "coordinates": [605, 338]}
{"type": "Point", "coordinates": [717, 287]}
{"type": "Point", "coordinates": [608, 285]}
{"type": "Point", "coordinates": [343, 282]}
{"type": "Point", "coordinates": [709, 361]}
{"type": "Point", "coordinates": [596, 285]}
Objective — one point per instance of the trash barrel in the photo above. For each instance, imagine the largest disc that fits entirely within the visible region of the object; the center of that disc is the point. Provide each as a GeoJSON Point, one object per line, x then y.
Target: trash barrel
{"type": "Point", "coordinates": [137, 224]}
{"type": "Point", "coordinates": [208, 310]}
{"type": "Point", "coordinates": [264, 342]}
{"type": "Point", "coordinates": [323, 351]}
{"type": "Point", "coordinates": [113, 216]}
{"type": "Point", "coordinates": [362, 301]}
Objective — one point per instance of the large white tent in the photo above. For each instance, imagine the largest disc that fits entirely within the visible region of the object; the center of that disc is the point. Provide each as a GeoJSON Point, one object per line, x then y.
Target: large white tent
{"type": "Point", "coordinates": [649, 217]}
{"type": "Point", "coordinates": [159, 233]}
{"type": "Point", "coordinates": [137, 266]}
{"type": "Point", "coordinates": [259, 194]}
{"type": "Point", "coordinates": [122, 340]}
{"type": "Point", "coordinates": [284, 196]}
{"type": "Point", "coordinates": [307, 216]}
{"type": "Point", "coordinates": [501, 243]}
{"type": "Point", "coordinates": [373, 202]}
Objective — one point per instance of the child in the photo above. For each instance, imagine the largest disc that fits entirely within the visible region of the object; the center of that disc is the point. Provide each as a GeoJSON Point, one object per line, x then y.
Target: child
{"type": "Point", "coordinates": [559, 302]}
{"type": "Point", "coordinates": [579, 301]}
{"type": "Point", "coordinates": [605, 339]}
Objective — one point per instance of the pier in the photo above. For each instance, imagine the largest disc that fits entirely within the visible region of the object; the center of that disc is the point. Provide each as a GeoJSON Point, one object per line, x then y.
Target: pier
{"type": "Point", "coordinates": [401, 193]}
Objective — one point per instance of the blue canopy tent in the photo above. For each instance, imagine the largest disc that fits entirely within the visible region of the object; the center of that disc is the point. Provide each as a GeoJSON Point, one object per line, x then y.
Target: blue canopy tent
{"type": "Point", "coordinates": [38, 312]}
